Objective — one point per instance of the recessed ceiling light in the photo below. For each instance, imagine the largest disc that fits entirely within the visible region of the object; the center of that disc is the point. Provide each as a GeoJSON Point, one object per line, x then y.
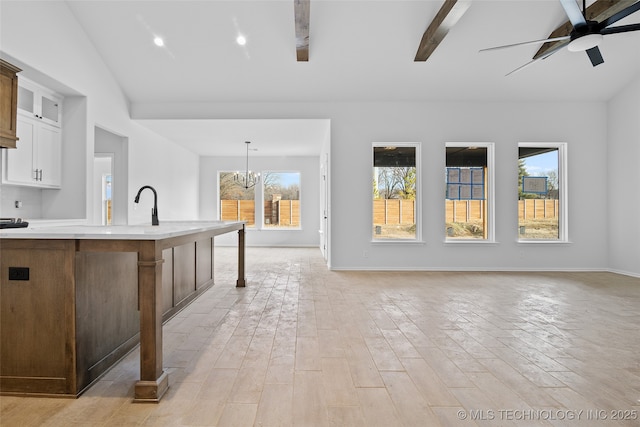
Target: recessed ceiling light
{"type": "Point", "coordinates": [158, 41]}
{"type": "Point", "coordinates": [241, 40]}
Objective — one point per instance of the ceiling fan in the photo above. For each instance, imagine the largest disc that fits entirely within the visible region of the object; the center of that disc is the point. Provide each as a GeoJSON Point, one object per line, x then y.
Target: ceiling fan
{"type": "Point", "coordinates": [585, 36]}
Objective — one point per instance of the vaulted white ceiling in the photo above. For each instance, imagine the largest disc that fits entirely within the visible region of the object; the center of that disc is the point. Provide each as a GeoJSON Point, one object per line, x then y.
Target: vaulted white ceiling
{"type": "Point", "coordinates": [358, 51]}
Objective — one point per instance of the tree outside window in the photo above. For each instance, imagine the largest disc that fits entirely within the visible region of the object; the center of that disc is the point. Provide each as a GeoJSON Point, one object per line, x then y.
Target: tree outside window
{"type": "Point", "coordinates": [394, 192]}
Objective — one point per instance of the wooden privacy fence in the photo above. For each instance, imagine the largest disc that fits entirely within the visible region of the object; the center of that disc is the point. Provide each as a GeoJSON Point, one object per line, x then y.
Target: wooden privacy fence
{"type": "Point", "coordinates": [238, 210]}
{"type": "Point", "coordinates": [385, 211]}
{"type": "Point", "coordinates": [538, 208]}
{"type": "Point", "coordinates": [463, 210]}
{"type": "Point", "coordinates": [284, 213]}
{"type": "Point", "coordinates": [394, 211]}
{"type": "Point", "coordinates": [402, 211]}
{"type": "Point", "coordinates": [468, 210]}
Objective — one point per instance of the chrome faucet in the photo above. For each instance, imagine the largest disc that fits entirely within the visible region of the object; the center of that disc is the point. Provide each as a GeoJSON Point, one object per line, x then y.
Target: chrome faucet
{"type": "Point", "coordinates": [154, 211]}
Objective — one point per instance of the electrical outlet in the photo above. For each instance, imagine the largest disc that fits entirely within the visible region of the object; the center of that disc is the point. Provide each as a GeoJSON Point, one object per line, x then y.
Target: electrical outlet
{"type": "Point", "coordinates": [365, 254]}
{"type": "Point", "coordinates": [18, 273]}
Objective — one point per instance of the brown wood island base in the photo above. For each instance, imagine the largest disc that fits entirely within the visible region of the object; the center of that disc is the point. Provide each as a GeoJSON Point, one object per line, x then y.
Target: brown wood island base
{"type": "Point", "coordinates": [75, 300]}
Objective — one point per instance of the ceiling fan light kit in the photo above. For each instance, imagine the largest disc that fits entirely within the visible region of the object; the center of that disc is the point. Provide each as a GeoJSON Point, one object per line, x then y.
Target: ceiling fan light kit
{"type": "Point", "coordinates": [585, 42]}
{"type": "Point", "coordinates": [586, 35]}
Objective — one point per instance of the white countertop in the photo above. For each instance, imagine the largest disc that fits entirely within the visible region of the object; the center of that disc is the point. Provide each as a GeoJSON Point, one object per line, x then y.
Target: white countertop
{"type": "Point", "coordinates": [112, 232]}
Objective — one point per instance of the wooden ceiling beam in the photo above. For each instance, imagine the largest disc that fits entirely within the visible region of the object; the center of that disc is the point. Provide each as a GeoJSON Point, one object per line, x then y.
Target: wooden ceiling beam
{"type": "Point", "coordinates": [598, 11]}
{"type": "Point", "coordinates": [301, 11]}
{"type": "Point", "coordinates": [448, 15]}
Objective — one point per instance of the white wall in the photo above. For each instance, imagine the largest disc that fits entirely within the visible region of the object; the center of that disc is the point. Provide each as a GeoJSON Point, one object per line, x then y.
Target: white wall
{"type": "Point", "coordinates": [309, 168]}
{"type": "Point", "coordinates": [354, 126]}
{"type": "Point", "coordinates": [434, 124]}
{"type": "Point", "coordinates": [31, 199]}
{"type": "Point", "coordinates": [46, 41]}
{"type": "Point", "coordinates": [623, 189]}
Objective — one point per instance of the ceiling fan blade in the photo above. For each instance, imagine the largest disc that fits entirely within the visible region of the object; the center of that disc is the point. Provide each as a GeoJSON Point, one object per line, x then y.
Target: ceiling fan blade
{"type": "Point", "coordinates": [573, 12]}
{"type": "Point", "coordinates": [533, 61]}
{"type": "Point", "coordinates": [595, 56]}
{"type": "Point", "coordinates": [618, 16]}
{"type": "Point", "coordinates": [526, 43]}
{"type": "Point", "coordinates": [620, 29]}
{"type": "Point", "coordinates": [522, 67]}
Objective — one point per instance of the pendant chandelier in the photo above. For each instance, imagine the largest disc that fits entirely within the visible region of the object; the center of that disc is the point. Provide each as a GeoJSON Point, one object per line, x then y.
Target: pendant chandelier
{"type": "Point", "coordinates": [248, 179]}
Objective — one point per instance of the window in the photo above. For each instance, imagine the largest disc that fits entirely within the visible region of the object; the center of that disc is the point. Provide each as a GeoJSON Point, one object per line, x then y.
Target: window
{"type": "Point", "coordinates": [281, 199]}
{"type": "Point", "coordinates": [542, 192]}
{"type": "Point", "coordinates": [469, 190]}
{"type": "Point", "coordinates": [236, 202]}
{"type": "Point", "coordinates": [395, 204]}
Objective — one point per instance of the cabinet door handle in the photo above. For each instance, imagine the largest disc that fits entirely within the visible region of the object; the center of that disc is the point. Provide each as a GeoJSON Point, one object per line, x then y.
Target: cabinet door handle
{"type": "Point", "coordinates": [35, 174]}
{"type": "Point", "coordinates": [40, 174]}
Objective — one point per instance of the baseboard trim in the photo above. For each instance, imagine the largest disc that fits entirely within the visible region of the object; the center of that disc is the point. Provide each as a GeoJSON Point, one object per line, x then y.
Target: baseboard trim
{"type": "Point", "coordinates": [624, 273]}
{"type": "Point", "coordinates": [472, 269]}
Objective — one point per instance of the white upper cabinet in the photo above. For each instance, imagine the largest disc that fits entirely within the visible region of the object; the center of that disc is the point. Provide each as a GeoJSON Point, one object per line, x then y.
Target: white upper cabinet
{"type": "Point", "coordinates": [36, 161]}
{"type": "Point", "coordinates": [38, 102]}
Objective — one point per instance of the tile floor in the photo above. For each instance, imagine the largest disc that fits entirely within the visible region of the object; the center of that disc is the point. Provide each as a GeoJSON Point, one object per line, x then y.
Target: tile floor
{"type": "Point", "coordinates": [304, 346]}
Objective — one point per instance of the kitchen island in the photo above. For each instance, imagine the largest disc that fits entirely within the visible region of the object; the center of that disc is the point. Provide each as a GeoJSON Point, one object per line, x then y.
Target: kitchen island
{"type": "Point", "coordinates": [76, 299]}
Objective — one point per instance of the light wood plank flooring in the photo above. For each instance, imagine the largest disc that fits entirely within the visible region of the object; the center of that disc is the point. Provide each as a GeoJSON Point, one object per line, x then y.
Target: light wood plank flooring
{"type": "Point", "coordinates": [304, 346]}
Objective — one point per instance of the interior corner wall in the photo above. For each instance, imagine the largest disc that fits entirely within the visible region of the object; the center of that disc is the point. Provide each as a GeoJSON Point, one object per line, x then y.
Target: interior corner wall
{"type": "Point", "coordinates": [45, 39]}
{"type": "Point", "coordinates": [623, 183]}
{"type": "Point", "coordinates": [309, 168]}
{"type": "Point", "coordinates": [69, 202]}
{"type": "Point", "coordinates": [170, 169]}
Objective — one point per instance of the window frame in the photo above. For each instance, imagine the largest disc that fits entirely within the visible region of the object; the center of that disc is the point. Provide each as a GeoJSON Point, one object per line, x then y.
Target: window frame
{"type": "Point", "coordinates": [489, 189]}
{"type": "Point", "coordinates": [563, 217]}
{"type": "Point", "coordinates": [418, 190]}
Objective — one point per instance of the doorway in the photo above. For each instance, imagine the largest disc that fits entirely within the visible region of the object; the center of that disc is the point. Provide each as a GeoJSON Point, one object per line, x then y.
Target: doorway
{"type": "Point", "coordinates": [103, 188]}
{"type": "Point", "coordinates": [110, 178]}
